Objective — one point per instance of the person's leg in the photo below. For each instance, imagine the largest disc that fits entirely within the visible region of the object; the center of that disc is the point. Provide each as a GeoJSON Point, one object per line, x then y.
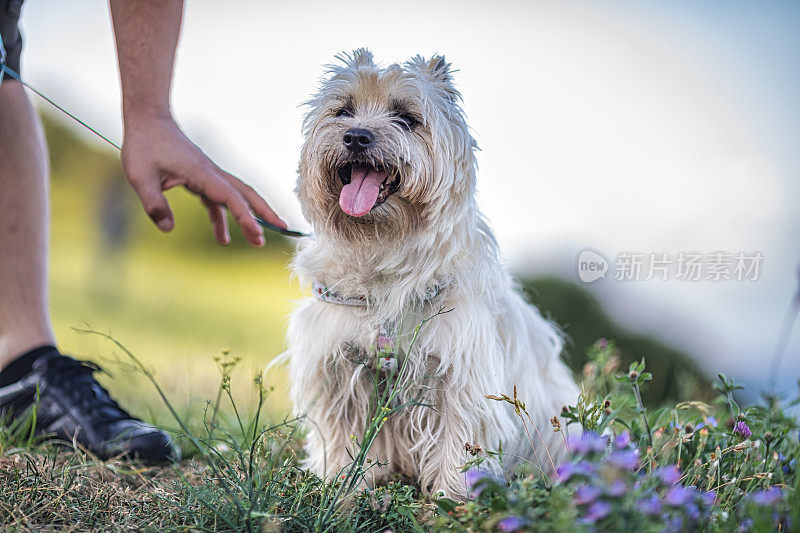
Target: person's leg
{"type": "Point", "coordinates": [33, 373]}
{"type": "Point", "coordinates": [35, 377]}
{"type": "Point", "coordinates": [24, 222]}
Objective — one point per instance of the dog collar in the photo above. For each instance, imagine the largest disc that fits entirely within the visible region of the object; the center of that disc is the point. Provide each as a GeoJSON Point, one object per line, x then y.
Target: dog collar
{"type": "Point", "coordinates": [326, 294]}
{"type": "Point", "coordinates": [385, 345]}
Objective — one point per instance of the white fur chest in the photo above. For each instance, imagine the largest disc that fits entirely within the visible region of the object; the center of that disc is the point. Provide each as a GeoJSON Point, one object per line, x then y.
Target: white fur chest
{"type": "Point", "coordinates": [331, 332]}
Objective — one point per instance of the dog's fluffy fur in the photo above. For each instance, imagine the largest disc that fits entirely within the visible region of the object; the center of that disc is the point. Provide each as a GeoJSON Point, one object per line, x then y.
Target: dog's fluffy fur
{"type": "Point", "coordinates": [427, 232]}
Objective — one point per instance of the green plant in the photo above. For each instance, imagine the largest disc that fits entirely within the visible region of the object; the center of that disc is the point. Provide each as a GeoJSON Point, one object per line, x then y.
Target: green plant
{"type": "Point", "coordinates": [256, 480]}
{"type": "Point", "coordinates": [673, 468]}
{"type": "Point", "coordinates": [714, 465]}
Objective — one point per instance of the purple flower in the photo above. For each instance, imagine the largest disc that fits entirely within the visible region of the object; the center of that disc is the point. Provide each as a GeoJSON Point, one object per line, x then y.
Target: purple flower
{"type": "Point", "coordinates": [597, 511]}
{"type": "Point", "coordinates": [767, 498]}
{"type": "Point", "coordinates": [668, 475]}
{"type": "Point", "coordinates": [692, 511]}
{"type": "Point", "coordinates": [625, 460]}
{"type": "Point", "coordinates": [677, 495]}
{"type": "Point", "coordinates": [709, 420]}
{"type": "Point", "coordinates": [473, 475]}
{"type": "Point", "coordinates": [472, 478]}
{"type": "Point", "coordinates": [622, 440]}
{"type": "Point", "coordinates": [708, 498]}
{"type": "Point", "coordinates": [742, 429]}
{"type": "Point", "coordinates": [587, 443]}
{"type": "Point", "coordinates": [511, 524]}
{"type": "Point", "coordinates": [567, 470]}
{"type": "Point", "coordinates": [616, 488]}
{"type": "Point", "coordinates": [586, 494]}
{"type": "Point", "coordinates": [673, 524]}
{"type": "Point", "coordinates": [651, 505]}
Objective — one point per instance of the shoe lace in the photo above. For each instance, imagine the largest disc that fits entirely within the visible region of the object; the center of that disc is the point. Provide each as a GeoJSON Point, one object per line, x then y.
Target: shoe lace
{"type": "Point", "coordinates": [76, 379]}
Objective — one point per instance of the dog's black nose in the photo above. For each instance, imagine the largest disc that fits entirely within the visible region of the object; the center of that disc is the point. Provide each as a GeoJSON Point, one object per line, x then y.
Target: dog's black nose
{"type": "Point", "coordinates": [357, 139]}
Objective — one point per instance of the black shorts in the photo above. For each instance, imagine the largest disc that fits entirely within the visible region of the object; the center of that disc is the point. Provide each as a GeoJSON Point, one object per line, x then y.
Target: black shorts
{"type": "Point", "coordinates": [9, 32]}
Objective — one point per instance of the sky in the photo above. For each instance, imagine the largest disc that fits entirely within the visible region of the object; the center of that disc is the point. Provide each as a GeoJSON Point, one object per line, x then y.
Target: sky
{"type": "Point", "coordinates": [621, 126]}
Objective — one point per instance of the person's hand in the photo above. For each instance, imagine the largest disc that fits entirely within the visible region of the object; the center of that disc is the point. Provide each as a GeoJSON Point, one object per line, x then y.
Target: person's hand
{"type": "Point", "coordinates": [157, 156]}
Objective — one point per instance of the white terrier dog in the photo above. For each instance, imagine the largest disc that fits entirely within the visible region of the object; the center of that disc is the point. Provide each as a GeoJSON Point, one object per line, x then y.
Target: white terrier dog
{"type": "Point", "coordinates": [387, 179]}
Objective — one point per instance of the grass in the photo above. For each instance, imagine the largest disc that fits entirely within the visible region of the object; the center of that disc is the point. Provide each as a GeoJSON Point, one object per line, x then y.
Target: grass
{"type": "Point", "coordinates": [175, 308]}
{"type": "Point", "coordinates": [241, 474]}
{"type": "Point", "coordinates": [714, 466]}
{"type": "Point", "coordinates": [53, 489]}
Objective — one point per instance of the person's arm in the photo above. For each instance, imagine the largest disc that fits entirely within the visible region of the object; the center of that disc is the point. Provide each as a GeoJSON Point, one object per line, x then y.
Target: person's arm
{"type": "Point", "coordinates": [156, 155]}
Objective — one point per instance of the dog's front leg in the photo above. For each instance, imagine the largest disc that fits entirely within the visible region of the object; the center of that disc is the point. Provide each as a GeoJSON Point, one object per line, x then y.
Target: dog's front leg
{"type": "Point", "coordinates": [332, 458]}
{"type": "Point", "coordinates": [442, 456]}
{"type": "Point", "coordinates": [327, 456]}
{"type": "Point", "coordinates": [336, 421]}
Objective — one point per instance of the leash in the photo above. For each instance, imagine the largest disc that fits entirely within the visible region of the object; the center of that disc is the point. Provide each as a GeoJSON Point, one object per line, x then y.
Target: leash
{"type": "Point", "coordinates": [4, 69]}
{"type": "Point", "coordinates": [44, 97]}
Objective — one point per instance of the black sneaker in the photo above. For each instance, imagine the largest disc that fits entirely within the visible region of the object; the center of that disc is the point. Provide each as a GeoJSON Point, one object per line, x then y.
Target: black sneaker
{"type": "Point", "coordinates": [73, 405]}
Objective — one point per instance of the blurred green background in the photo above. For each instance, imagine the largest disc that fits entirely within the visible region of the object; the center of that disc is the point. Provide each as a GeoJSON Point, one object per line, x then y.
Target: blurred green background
{"type": "Point", "coordinates": [175, 300]}
{"type": "Point", "coordinates": [178, 300]}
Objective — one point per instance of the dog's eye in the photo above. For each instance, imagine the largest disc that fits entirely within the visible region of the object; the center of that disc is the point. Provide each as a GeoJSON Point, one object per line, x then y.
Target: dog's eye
{"type": "Point", "coordinates": [344, 112]}
{"type": "Point", "coordinates": [406, 120]}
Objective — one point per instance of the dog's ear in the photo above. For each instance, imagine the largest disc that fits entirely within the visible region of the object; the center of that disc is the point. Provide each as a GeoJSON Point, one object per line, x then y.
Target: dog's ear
{"type": "Point", "coordinates": [360, 57]}
{"type": "Point", "coordinates": [437, 69]}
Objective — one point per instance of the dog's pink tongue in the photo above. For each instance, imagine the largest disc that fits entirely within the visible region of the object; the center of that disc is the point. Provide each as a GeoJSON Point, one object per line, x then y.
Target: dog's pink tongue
{"type": "Point", "coordinates": [360, 195]}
